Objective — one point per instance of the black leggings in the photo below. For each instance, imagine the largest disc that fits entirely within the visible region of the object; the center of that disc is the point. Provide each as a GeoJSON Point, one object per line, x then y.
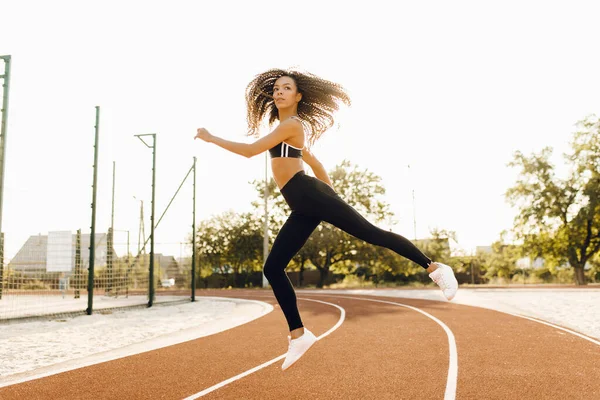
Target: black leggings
{"type": "Point", "coordinates": [313, 201]}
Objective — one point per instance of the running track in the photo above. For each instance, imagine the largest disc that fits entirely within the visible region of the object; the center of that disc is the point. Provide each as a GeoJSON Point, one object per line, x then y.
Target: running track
{"type": "Point", "coordinates": [369, 348]}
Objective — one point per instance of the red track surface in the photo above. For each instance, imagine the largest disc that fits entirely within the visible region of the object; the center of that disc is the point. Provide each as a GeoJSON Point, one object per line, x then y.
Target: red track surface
{"type": "Point", "coordinates": [380, 351]}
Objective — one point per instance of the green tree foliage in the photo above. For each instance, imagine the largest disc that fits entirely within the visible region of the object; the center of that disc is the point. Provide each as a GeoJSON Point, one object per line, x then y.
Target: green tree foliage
{"type": "Point", "coordinates": [245, 246]}
{"type": "Point", "coordinates": [211, 242]}
{"type": "Point", "coordinates": [501, 263]}
{"type": "Point", "coordinates": [230, 242]}
{"type": "Point", "coordinates": [560, 218]}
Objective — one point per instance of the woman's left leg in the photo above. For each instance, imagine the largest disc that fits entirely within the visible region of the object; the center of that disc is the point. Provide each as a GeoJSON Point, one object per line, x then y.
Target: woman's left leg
{"type": "Point", "coordinates": [289, 240]}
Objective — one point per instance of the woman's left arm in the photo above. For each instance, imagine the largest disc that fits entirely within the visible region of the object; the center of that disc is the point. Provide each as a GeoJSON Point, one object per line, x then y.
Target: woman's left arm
{"type": "Point", "coordinates": [284, 131]}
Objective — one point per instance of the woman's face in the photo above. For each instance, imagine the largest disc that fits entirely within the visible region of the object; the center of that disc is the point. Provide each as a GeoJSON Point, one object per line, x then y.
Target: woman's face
{"type": "Point", "coordinates": [285, 93]}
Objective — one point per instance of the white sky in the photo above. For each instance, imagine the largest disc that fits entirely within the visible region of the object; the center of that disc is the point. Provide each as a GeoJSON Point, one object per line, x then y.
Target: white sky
{"type": "Point", "coordinates": [451, 88]}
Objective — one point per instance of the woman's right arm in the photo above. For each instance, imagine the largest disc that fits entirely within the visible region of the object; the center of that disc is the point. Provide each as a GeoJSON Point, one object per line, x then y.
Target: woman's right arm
{"type": "Point", "coordinates": [316, 167]}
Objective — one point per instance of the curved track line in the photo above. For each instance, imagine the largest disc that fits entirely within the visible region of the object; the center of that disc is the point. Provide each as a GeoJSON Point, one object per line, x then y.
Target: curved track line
{"type": "Point", "coordinates": [534, 319]}
{"type": "Point", "coordinates": [266, 364]}
{"type": "Point", "coordinates": [554, 326]}
{"type": "Point", "coordinates": [450, 393]}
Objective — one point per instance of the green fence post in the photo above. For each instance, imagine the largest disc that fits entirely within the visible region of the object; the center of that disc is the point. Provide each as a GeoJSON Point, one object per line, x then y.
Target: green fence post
{"type": "Point", "coordinates": [3, 133]}
{"type": "Point", "coordinates": [93, 227]}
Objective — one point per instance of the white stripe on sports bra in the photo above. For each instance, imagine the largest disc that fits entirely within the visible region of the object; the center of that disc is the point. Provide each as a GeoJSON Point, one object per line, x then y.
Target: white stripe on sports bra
{"type": "Point", "coordinates": [297, 148]}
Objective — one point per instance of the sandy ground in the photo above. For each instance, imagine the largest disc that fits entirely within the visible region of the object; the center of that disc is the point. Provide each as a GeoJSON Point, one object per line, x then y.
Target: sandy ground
{"type": "Point", "coordinates": [32, 345]}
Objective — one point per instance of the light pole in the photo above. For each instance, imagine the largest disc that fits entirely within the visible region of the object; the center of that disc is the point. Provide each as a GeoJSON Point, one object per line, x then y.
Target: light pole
{"type": "Point", "coordinates": [265, 282]}
{"type": "Point", "coordinates": [141, 231]}
{"type": "Point", "coordinates": [193, 236]}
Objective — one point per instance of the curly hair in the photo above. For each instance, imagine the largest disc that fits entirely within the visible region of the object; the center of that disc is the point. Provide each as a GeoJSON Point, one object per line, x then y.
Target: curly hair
{"type": "Point", "coordinates": [320, 98]}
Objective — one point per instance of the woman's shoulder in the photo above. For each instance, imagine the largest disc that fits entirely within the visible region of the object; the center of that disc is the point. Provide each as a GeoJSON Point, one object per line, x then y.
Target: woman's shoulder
{"type": "Point", "coordinates": [299, 131]}
{"type": "Point", "coordinates": [295, 121]}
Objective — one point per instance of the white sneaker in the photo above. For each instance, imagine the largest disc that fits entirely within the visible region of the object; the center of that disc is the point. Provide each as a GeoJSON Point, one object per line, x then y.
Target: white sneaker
{"type": "Point", "coordinates": [445, 279]}
{"type": "Point", "coordinates": [297, 348]}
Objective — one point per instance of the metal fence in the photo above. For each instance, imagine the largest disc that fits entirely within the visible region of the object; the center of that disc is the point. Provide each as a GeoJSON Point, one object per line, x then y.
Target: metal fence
{"type": "Point", "coordinates": [78, 271]}
{"type": "Point", "coordinates": [50, 275]}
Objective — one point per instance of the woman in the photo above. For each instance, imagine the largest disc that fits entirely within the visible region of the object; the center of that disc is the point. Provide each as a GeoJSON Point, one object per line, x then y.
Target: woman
{"type": "Point", "coordinates": [303, 104]}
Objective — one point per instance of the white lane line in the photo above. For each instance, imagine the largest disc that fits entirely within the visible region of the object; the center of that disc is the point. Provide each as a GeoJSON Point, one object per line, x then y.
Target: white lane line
{"type": "Point", "coordinates": [340, 321]}
{"type": "Point", "coordinates": [554, 326]}
{"type": "Point", "coordinates": [450, 393]}
{"type": "Point", "coordinates": [266, 364]}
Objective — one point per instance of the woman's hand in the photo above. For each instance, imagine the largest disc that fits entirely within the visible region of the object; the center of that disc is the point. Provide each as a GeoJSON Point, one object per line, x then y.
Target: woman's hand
{"type": "Point", "coordinates": [203, 134]}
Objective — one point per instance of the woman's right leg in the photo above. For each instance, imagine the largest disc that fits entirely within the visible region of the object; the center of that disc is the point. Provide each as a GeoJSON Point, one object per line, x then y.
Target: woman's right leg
{"type": "Point", "coordinates": [292, 236]}
{"type": "Point", "coordinates": [327, 205]}
{"type": "Point", "coordinates": [322, 202]}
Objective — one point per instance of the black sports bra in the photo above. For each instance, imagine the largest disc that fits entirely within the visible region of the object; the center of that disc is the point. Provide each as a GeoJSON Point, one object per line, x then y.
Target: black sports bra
{"type": "Point", "coordinates": [284, 149]}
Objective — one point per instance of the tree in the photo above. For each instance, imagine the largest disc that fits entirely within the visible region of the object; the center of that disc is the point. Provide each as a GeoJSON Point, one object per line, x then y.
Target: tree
{"type": "Point", "coordinates": [244, 246]}
{"type": "Point", "coordinates": [210, 249]}
{"type": "Point", "coordinates": [230, 242]}
{"type": "Point", "coordinates": [502, 261]}
{"type": "Point", "coordinates": [560, 218]}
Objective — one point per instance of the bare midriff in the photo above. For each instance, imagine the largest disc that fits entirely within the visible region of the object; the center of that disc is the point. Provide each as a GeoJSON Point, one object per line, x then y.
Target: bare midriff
{"type": "Point", "coordinates": [285, 168]}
